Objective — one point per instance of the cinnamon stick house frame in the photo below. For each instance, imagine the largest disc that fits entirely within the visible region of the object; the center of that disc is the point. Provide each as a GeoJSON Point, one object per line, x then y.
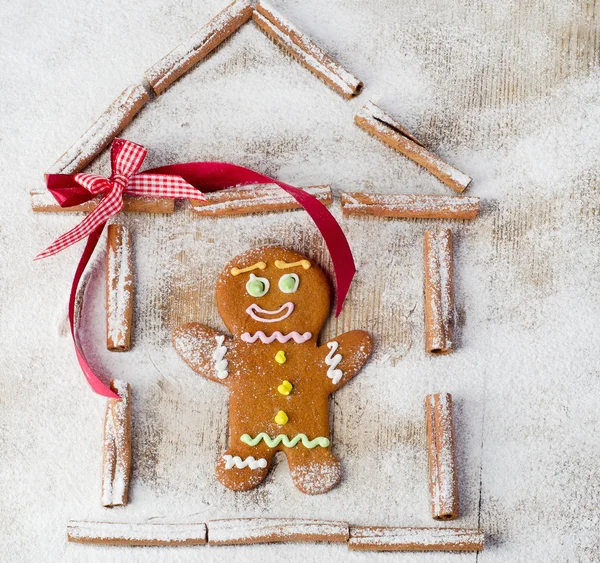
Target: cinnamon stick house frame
{"type": "Point", "coordinates": [239, 201]}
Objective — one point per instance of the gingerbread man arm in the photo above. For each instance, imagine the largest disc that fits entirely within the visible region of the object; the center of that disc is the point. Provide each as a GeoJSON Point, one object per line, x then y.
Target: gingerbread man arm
{"type": "Point", "coordinates": [345, 355]}
{"type": "Point", "coordinates": [204, 350]}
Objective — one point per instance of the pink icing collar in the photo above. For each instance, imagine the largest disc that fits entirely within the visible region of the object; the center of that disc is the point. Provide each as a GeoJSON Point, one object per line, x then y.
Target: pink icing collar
{"type": "Point", "coordinates": [282, 338]}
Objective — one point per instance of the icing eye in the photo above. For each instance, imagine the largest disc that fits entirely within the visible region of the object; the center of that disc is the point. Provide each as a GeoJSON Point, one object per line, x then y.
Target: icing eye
{"type": "Point", "coordinates": [257, 287]}
{"type": "Point", "coordinates": [288, 283]}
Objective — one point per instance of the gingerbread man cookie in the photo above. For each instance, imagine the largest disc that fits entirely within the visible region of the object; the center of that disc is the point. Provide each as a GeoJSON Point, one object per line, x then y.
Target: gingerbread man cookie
{"type": "Point", "coordinates": [274, 302]}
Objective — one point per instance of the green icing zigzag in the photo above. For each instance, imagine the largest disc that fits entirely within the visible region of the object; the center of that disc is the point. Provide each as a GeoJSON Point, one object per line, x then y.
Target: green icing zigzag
{"type": "Point", "coordinates": [273, 442]}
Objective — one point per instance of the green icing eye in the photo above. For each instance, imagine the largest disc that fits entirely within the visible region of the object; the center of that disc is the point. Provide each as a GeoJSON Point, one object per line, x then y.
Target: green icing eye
{"type": "Point", "coordinates": [288, 283]}
{"type": "Point", "coordinates": [257, 287]}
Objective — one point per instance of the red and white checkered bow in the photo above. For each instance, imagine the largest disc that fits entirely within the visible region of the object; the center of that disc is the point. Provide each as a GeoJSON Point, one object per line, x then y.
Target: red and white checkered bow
{"type": "Point", "coordinates": [126, 159]}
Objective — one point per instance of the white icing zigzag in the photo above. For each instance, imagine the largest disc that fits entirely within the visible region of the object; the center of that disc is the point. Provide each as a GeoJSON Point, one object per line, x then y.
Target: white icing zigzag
{"type": "Point", "coordinates": [237, 461]}
{"type": "Point", "coordinates": [332, 361]}
{"type": "Point", "coordinates": [219, 355]}
{"type": "Point", "coordinates": [283, 338]}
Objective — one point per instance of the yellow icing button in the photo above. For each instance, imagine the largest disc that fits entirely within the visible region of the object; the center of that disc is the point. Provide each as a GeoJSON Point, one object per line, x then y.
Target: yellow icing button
{"type": "Point", "coordinates": [285, 388]}
{"type": "Point", "coordinates": [281, 418]}
{"type": "Point", "coordinates": [280, 357]}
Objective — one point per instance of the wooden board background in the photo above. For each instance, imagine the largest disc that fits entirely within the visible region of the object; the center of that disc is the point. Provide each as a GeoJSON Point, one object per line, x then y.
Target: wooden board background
{"type": "Point", "coordinates": [508, 91]}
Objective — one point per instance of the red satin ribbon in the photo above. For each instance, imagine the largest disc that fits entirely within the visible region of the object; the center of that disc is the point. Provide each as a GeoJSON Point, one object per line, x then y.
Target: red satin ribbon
{"type": "Point", "coordinates": [207, 177]}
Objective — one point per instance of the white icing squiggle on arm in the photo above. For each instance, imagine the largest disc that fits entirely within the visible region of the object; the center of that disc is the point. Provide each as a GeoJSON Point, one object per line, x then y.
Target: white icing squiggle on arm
{"type": "Point", "coordinates": [237, 461]}
{"type": "Point", "coordinates": [219, 357]}
{"type": "Point", "coordinates": [333, 361]}
{"type": "Point", "coordinates": [283, 338]}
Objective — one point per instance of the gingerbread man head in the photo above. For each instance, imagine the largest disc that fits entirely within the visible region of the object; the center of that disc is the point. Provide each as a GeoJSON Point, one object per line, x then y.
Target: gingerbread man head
{"type": "Point", "coordinates": [273, 289]}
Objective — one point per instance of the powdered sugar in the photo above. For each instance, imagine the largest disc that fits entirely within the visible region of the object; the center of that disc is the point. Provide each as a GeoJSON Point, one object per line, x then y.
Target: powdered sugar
{"type": "Point", "coordinates": [442, 471]}
{"type": "Point", "coordinates": [306, 57]}
{"type": "Point", "coordinates": [116, 459]}
{"type": "Point", "coordinates": [254, 198]}
{"type": "Point", "coordinates": [371, 111]}
{"type": "Point", "coordinates": [376, 121]}
{"type": "Point", "coordinates": [410, 205]}
{"type": "Point", "coordinates": [316, 477]}
{"type": "Point", "coordinates": [170, 67]}
{"type": "Point", "coordinates": [439, 291]}
{"type": "Point", "coordinates": [345, 80]}
{"type": "Point", "coordinates": [446, 477]}
{"type": "Point", "coordinates": [119, 294]}
{"type": "Point", "coordinates": [268, 530]}
{"type": "Point", "coordinates": [416, 539]}
{"type": "Point", "coordinates": [505, 91]}
{"type": "Point", "coordinates": [103, 131]}
{"type": "Point", "coordinates": [138, 533]}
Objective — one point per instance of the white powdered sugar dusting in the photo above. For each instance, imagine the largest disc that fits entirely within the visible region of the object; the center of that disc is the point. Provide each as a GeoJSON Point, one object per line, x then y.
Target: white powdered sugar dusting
{"type": "Point", "coordinates": [257, 530]}
{"type": "Point", "coordinates": [441, 456]}
{"type": "Point", "coordinates": [412, 205]}
{"type": "Point", "coordinates": [149, 533]}
{"type": "Point", "coordinates": [109, 456]}
{"type": "Point", "coordinates": [445, 480]}
{"type": "Point", "coordinates": [307, 58]}
{"type": "Point", "coordinates": [104, 129]}
{"type": "Point", "coordinates": [119, 297]}
{"type": "Point", "coordinates": [187, 51]}
{"type": "Point", "coordinates": [254, 195]}
{"type": "Point", "coordinates": [316, 477]}
{"type": "Point", "coordinates": [443, 244]}
{"type": "Point", "coordinates": [117, 448]}
{"type": "Point", "coordinates": [415, 538]}
{"type": "Point", "coordinates": [506, 91]}
{"type": "Point", "coordinates": [313, 50]}
{"type": "Point", "coordinates": [383, 124]}
{"type": "Point", "coordinates": [371, 111]}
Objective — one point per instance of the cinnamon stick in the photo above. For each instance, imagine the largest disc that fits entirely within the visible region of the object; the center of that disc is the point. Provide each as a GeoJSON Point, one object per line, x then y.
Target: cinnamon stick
{"type": "Point", "coordinates": [439, 291]}
{"type": "Point", "coordinates": [119, 289]}
{"type": "Point", "coordinates": [243, 200]}
{"type": "Point", "coordinates": [385, 128]}
{"type": "Point", "coordinates": [109, 458]}
{"type": "Point", "coordinates": [102, 132]}
{"type": "Point", "coordinates": [116, 464]}
{"type": "Point", "coordinates": [135, 533]}
{"type": "Point", "coordinates": [409, 206]}
{"type": "Point", "coordinates": [443, 482]}
{"type": "Point", "coordinates": [44, 202]}
{"type": "Point", "coordinates": [381, 538]}
{"type": "Point", "coordinates": [234, 531]}
{"type": "Point", "coordinates": [166, 71]}
{"type": "Point", "coordinates": [305, 50]}
{"type": "Point", "coordinates": [238, 531]}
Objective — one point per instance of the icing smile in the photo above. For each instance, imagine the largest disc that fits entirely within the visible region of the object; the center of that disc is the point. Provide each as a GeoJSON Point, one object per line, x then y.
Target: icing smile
{"type": "Point", "coordinates": [286, 309]}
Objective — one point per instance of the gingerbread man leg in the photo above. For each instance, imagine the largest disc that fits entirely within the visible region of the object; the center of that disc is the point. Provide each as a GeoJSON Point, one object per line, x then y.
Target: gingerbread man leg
{"type": "Point", "coordinates": [313, 471]}
{"type": "Point", "coordinates": [242, 467]}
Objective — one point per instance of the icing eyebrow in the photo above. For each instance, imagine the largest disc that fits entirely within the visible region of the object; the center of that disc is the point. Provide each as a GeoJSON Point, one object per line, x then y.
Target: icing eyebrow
{"type": "Point", "coordinates": [258, 266]}
{"type": "Point", "coordinates": [282, 264]}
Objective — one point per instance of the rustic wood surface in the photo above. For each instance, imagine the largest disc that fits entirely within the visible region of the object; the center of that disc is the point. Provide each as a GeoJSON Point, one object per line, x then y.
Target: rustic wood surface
{"type": "Point", "coordinates": [489, 85]}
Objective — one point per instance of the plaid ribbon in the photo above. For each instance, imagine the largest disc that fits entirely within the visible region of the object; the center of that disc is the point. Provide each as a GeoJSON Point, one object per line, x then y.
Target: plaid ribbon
{"type": "Point", "coordinates": [172, 181]}
{"type": "Point", "coordinates": [126, 159]}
